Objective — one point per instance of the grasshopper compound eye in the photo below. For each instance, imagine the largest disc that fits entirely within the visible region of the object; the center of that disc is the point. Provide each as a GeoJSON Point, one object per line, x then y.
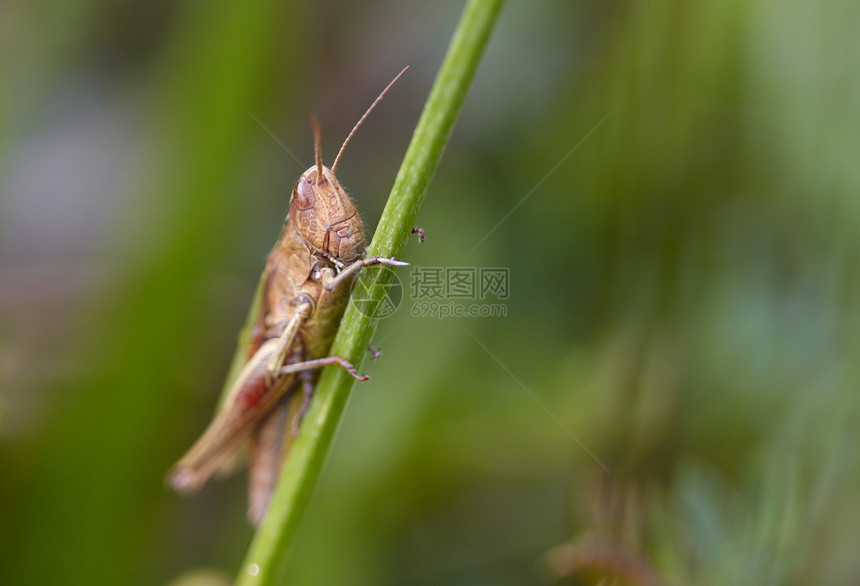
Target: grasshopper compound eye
{"type": "Point", "coordinates": [303, 194]}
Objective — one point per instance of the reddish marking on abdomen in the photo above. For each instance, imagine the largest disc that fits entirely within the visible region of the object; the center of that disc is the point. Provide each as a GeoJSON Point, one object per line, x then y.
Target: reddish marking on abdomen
{"type": "Point", "coordinates": [253, 391]}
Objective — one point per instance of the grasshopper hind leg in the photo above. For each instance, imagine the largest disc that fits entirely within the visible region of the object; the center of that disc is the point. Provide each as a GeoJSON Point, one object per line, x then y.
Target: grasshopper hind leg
{"type": "Point", "coordinates": [268, 449]}
{"type": "Point", "coordinates": [307, 381]}
{"type": "Point", "coordinates": [271, 441]}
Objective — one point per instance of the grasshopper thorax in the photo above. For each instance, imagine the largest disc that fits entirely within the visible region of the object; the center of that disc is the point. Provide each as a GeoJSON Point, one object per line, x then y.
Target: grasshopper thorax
{"type": "Point", "coordinates": [325, 216]}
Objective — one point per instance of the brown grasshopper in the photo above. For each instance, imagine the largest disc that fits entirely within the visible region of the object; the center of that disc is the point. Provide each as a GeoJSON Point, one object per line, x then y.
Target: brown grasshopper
{"type": "Point", "coordinates": [305, 292]}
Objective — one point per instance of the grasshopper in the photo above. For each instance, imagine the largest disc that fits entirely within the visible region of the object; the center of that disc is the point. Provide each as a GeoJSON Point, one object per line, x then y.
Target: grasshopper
{"type": "Point", "coordinates": [305, 290]}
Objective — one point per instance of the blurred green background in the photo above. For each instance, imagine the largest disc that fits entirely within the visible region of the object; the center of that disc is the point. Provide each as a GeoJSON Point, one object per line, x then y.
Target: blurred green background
{"type": "Point", "coordinates": [683, 309]}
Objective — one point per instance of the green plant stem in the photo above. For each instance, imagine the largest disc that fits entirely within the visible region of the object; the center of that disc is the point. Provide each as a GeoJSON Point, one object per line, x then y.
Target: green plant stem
{"type": "Point", "coordinates": [291, 496]}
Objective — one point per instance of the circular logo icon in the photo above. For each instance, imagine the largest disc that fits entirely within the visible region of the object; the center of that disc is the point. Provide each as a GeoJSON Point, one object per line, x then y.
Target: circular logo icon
{"type": "Point", "coordinates": [377, 291]}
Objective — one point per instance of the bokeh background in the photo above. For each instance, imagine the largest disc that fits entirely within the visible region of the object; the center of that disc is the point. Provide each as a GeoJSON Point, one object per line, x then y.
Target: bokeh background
{"type": "Point", "coordinates": [672, 394]}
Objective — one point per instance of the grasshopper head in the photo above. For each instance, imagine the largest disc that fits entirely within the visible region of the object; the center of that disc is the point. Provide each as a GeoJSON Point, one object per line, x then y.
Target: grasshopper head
{"type": "Point", "coordinates": [325, 216]}
{"type": "Point", "coordinates": [321, 210]}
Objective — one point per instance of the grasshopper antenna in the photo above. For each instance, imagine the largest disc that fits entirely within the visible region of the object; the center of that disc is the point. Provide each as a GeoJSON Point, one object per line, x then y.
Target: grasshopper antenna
{"type": "Point", "coordinates": [315, 129]}
{"type": "Point", "coordinates": [366, 114]}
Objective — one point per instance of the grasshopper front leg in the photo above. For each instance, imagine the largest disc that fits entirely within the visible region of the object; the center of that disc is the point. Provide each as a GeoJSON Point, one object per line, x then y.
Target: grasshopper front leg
{"type": "Point", "coordinates": [331, 282]}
